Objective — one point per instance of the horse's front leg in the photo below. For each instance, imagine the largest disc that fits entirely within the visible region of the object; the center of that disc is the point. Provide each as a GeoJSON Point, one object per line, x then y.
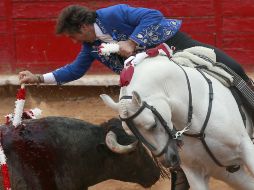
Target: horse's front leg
{"type": "Point", "coordinates": [196, 178]}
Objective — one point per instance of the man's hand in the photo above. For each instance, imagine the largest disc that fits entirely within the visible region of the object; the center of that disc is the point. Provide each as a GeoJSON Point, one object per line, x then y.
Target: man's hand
{"type": "Point", "coordinates": [126, 48]}
{"type": "Point", "coordinates": [28, 78]}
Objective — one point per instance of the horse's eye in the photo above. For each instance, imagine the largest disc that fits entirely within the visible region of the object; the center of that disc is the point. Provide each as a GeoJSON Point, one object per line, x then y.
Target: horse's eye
{"type": "Point", "coordinates": [153, 127]}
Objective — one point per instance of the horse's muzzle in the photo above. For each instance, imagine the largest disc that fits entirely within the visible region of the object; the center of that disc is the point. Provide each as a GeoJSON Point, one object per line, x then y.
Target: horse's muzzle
{"type": "Point", "coordinates": [170, 159]}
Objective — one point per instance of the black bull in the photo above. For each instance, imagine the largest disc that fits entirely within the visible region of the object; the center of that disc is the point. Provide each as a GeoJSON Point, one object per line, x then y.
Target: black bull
{"type": "Point", "coordinates": [62, 153]}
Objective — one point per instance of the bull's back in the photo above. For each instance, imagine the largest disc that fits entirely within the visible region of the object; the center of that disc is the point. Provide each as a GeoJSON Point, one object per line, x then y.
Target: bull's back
{"type": "Point", "coordinates": [49, 153]}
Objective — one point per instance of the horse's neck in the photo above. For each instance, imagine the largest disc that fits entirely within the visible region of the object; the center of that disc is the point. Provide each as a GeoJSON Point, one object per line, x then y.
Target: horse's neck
{"type": "Point", "coordinates": [180, 95]}
{"type": "Point", "coordinates": [155, 75]}
{"type": "Point", "coordinates": [163, 77]}
{"type": "Point", "coordinates": [160, 76]}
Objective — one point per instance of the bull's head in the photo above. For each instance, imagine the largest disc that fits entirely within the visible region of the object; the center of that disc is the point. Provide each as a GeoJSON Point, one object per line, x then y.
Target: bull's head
{"type": "Point", "coordinates": [148, 125]}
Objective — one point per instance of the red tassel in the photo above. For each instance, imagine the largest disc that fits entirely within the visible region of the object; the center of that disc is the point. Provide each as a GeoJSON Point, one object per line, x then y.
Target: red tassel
{"type": "Point", "coordinates": [126, 75]}
{"type": "Point", "coordinates": [6, 178]}
{"type": "Point", "coordinates": [152, 52]}
{"type": "Point", "coordinates": [21, 95]}
{"type": "Point", "coordinates": [155, 51]}
{"type": "Point", "coordinates": [164, 48]}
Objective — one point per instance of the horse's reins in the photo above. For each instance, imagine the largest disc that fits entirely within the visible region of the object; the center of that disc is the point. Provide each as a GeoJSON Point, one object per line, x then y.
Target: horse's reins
{"type": "Point", "coordinates": [201, 135]}
{"type": "Point", "coordinates": [140, 137]}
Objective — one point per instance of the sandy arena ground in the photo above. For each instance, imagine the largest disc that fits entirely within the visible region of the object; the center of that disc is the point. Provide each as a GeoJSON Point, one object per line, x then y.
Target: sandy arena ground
{"type": "Point", "coordinates": [82, 103]}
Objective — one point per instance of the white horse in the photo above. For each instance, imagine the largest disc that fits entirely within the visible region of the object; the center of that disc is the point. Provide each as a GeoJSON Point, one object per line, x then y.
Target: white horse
{"type": "Point", "coordinates": [162, 84]}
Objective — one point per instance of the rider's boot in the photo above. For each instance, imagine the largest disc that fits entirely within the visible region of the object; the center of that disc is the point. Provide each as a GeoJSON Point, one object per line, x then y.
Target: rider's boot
{"type": "Point", "coordinates": [179, 180]}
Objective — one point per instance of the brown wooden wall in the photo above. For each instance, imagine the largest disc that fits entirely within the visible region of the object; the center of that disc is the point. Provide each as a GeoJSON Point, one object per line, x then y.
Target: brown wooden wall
{"type": "Point", "coordinates": [27, 39]}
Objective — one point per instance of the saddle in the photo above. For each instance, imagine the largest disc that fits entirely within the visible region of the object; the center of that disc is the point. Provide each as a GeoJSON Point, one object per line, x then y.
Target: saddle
{"type": "Point", "coordinates": [205, 58]}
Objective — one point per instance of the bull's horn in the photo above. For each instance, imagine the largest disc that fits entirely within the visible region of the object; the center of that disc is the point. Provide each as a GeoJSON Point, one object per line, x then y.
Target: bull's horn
{"type": "Point", "coordinates": [114, 146]}
{"type": "Point", "coordinates": [109, 101]}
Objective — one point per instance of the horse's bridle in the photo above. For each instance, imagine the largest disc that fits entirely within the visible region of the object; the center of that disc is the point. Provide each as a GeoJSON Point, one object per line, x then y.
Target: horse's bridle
{"type": "Point", "coordinates": [129, 121]}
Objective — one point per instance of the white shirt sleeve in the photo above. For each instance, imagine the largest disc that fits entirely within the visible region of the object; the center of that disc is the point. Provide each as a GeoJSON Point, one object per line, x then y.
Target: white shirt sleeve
{"type": "Point", "coordinates": [49, 78]}
{"type": "Point", "coordinates": [103, 37]}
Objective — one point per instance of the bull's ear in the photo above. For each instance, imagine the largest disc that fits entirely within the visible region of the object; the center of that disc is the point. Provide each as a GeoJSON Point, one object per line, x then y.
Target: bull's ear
{"type": "Point", "coordinates": [136, 99]}
{"type": "Point", "coordinates": [109, 101]}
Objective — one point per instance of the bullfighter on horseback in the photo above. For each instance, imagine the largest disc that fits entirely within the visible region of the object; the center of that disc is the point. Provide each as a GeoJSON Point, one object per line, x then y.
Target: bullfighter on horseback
{"type": "Point", "coordinates": [131, 28]}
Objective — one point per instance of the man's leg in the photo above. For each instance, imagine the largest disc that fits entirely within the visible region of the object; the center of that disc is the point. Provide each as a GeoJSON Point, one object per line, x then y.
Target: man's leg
{"type": "Point", "coordinates": [182, 41]}
{"type": "Point", "coordinates": [231, 63]}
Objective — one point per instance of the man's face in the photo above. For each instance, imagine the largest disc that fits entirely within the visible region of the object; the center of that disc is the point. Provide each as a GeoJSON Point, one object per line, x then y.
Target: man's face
{"type": "Point", "coordinates": [86, 34]}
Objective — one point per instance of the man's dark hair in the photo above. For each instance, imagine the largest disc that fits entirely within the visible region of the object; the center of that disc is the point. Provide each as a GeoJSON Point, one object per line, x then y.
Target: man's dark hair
{"type": "Point", "coordinates": [73, 17]}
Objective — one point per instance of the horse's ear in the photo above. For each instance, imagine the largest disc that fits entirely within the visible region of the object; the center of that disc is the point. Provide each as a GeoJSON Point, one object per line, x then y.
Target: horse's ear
{"type": "Point", "coordinates": [109, 101]}
{"type": "Point", "coordinates": [136, 99]}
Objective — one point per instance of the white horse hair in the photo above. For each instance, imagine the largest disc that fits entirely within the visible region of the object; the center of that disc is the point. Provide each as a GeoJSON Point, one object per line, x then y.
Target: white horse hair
{"type": "Point", "coordinates": [162, 84]}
